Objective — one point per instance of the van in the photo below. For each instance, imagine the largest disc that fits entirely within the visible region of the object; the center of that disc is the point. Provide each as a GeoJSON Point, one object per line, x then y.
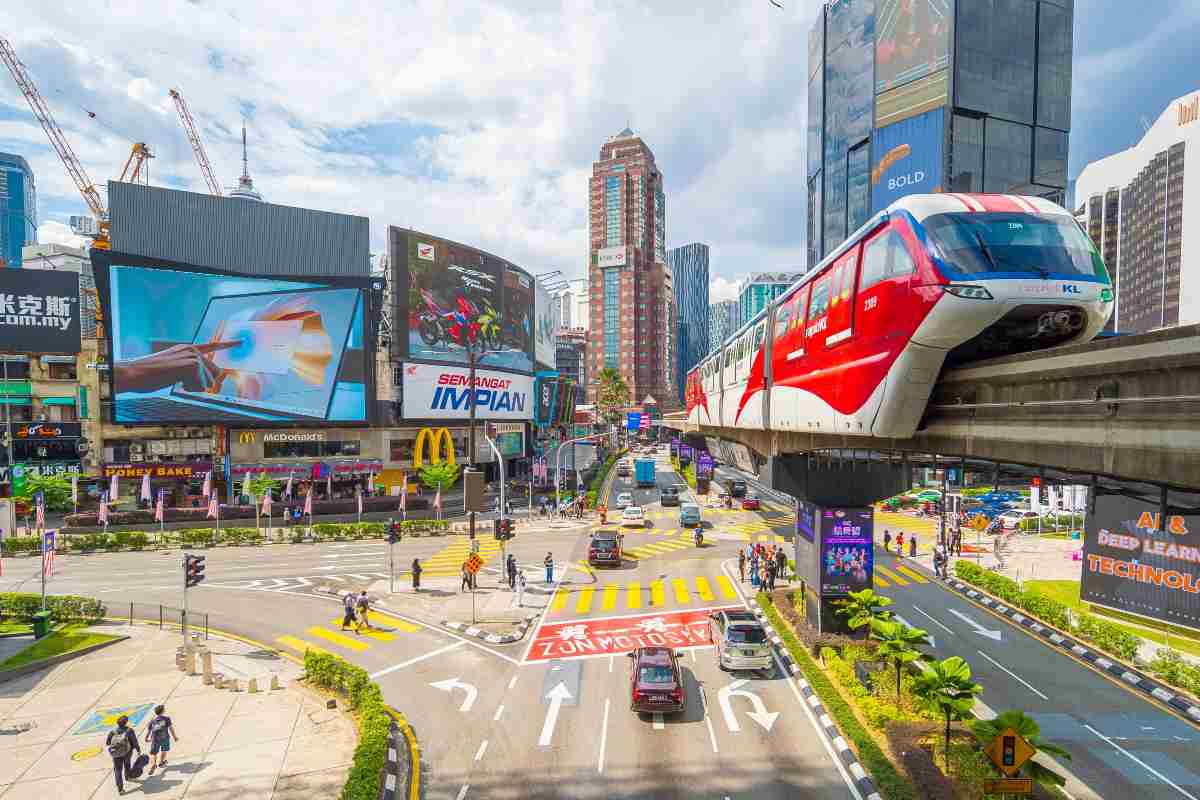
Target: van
{"type": "Point", "coordinates": [689, 515]}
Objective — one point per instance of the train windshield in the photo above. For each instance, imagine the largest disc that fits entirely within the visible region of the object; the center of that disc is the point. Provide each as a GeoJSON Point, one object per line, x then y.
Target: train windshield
{"type": "Point", "coordinates": [1045, 245]}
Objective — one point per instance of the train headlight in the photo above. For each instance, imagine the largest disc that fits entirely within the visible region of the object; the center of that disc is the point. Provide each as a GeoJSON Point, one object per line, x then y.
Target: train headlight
{"type": "Point", "coordinates": [1106, 295]}
{"type": "Point", "coordinates": [968, 292]}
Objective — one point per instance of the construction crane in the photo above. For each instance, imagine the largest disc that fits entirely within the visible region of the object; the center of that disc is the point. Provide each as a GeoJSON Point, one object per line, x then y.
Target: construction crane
{"type": "Point", "coordinates": [193, 135]}
{"type": "Point", "coordinates": [138, 156]}
{"type": "Point", "coordinates": [59, 142]}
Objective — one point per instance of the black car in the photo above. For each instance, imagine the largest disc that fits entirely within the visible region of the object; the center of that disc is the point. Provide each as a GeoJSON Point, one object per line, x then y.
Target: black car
{"type": "Point", "coordinates": [605, 549]}
{"type": "Point", "coordinates": [737, 489]}
{"type": "Point", "coordinates": [669, 496]}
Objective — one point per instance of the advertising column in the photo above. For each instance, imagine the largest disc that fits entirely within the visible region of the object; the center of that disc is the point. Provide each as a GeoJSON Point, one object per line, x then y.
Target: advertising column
{"type": "Point", "coordinates": [834, 549]}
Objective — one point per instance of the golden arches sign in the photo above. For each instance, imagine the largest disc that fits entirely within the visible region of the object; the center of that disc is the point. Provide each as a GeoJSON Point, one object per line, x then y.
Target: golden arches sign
{"type": "Point", "coordinates": [436, 441]}
{"type": "Point", "coordinates": [246, 437]}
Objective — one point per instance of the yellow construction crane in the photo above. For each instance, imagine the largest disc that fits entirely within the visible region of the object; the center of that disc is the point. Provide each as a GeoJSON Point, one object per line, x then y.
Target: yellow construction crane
{"type": "Point", "coordinates": [189, 126]}
{"type": "Point", "coordinates": [138, 156]}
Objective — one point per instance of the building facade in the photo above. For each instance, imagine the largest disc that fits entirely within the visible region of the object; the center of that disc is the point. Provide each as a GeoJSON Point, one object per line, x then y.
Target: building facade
{"type": "Point", "coordinates": [571, 361]}
{"type": "Point", "coordinates": [629, 282]}
{"type": "Point", "coordinates": [689, 270]}
{"type": "Point", "coordinates": [18, 208]}
{"type": "Point", "coordinates": [722, 321]}
{"type": "Point", "coordinates": [1141, 207]}
{"type": "Point", "coordinates": [579, 315]}
{"type": "Point", "coordinates": [757, 290]}
{"type": "Point", "coordinates": [917, 96]}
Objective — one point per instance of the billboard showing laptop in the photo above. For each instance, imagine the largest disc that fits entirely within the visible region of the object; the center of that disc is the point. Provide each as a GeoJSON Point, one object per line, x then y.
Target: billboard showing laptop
{"type": "Point", "coordinates": [197, 347]}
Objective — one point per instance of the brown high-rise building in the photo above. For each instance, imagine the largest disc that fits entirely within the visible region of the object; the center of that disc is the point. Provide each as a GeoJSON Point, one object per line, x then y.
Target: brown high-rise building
{"type": "Point", "coordinates": [632, 303]}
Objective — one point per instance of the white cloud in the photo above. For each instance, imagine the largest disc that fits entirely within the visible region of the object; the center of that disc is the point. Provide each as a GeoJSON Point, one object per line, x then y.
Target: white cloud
{"type": "Point", "coordinates": [509, 101]}
{"type": "Point", "coordinates": [722, 289]}
{"type": "Point", "coordinates": [51, 232]}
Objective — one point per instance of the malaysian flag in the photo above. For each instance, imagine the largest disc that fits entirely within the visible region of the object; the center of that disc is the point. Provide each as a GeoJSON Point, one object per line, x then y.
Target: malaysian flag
{"type": "Point", "coordinates": [158, 507]}
{"type": "Point", "coordinates": [207, 490]}
{"type": "Point", "coordinates": [404, 493]}
{"type": "Point", "coordinates": [41, 509]}
{"type": "Point", "coordinates": [75, 489]}
{"type": "Point", "coordinates": [437, 500]}
{"type": "Point", "coordinates": [112, 489]}
{"type": "Point", "coordinates": [287, 490]}
{"type": "Point", "coordinates": [329, 485]}
{"type": "Point", "coordinates": [266, 506]}
{"type": "Point", "coordinates": [359, 493]}
{"type": "Point", "coordinates": [48, 553]}
{"type": "Point", "coordinates": [370, 483]}
{"type": "Point", "coordinates": [644, 422]}
{"type": "Point", "coordinates": [102, 516]}
{"type": "Point", "coordinates": [146, 486]}
{"type": "Point", "coordinates": [213, 508]}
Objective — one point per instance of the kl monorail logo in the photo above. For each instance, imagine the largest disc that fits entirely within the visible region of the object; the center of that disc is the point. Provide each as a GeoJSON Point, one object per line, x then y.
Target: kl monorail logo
{"type": "Point", "coordinates": [1189, 112]}
{"type": "Point", "coordinates": [436, 441]}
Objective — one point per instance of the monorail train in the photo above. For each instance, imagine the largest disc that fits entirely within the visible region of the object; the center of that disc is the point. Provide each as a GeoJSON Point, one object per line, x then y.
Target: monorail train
{"type": "Point", "coordinates": [856, 345]}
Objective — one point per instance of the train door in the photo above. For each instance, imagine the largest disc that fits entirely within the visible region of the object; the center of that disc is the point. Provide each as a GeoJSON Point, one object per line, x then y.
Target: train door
{"type": "Point", "coordinates": [884, 306]}
{"type": "Point", "coordinates": [787, 360]}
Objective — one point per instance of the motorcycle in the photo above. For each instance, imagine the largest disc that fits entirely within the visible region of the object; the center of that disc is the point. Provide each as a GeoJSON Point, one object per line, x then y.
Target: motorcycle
{"type": "Point", "coordinates": [699, 539]}
{"type": "Point", "coordinates": [437, 326]}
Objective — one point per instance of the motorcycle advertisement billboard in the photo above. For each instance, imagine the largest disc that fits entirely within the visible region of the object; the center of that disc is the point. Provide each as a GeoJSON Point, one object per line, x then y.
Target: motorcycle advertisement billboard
{"type": "Point", "coordinates": [1130, 565]}
{"type": "Point", "coordinates": [451, 296]}
{"type": "Point", "coordinates": [912, 40]}
{"type": "Point", "coordinates": [432, 391]}
{"type": "Point", "coordinates": [257, 349]}
{"type": "Point", "coordinates": [544, 350]}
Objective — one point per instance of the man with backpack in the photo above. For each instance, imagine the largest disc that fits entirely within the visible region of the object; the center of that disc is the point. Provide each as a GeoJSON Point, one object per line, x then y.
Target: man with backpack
{"type": "Point", "coordinates": [159, 734]}
{"type": "Point", "coordinates": [121, 742]}
{"type": "Point", "coordinates": [348, 604]}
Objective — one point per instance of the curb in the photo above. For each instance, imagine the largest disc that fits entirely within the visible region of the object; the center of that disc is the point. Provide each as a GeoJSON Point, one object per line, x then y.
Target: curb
{"type": "Point", "coordinates": [1126, 673]}
{"type": "Point", "coordinates": [849, 760]}
{"type": "Point", "coordinates": [397, 772]}
{"type": "Point", "coordinates": [516, 635]}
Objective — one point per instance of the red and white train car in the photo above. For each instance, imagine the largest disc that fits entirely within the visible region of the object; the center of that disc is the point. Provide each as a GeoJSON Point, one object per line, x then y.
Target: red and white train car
{"type": "Point", "coordinates": [856, 345]}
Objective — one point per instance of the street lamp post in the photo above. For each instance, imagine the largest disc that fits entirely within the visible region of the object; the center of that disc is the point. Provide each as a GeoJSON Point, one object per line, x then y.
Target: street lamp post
{"type": "Point", "coordinates": [557, 458]}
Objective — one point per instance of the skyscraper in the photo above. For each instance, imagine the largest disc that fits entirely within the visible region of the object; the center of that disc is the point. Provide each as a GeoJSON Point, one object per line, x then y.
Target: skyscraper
{"type": "Point", "coordinates": [722, 321]}
{"type": "Point", "coordinates": [689, 271]}
{"type": "Point", "coordinates": [757, 290]}
{"type": "Point", "coordinates": [631, 305]}
{"type": "Point", "coordinates": [18, 208]}
{"type": "Point", "coordinates": [885, 119]}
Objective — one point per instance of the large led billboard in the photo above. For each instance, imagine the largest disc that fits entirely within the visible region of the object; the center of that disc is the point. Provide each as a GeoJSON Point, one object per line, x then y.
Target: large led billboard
{"type": "Point", "coordinates": [847, 550]}
{"type": "Point", "coordinates": [544, 350]}
{"type": "Point", "coordinates": [190, 346]}
{"type": "Point", "coordinates": [907, 158]}
{"type": "Point", "coordinates": [912, 40]}
{"type": "Point", "coordinates": [39, 311]}
{"type": "Point", "coordinates": [1132, 566]}
{"type": "Point", "coordinates": [449, 296]}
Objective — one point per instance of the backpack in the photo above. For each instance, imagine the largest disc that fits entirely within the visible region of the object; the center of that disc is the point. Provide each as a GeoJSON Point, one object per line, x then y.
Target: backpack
{"type": "Point", "coordinates": [118, 743]}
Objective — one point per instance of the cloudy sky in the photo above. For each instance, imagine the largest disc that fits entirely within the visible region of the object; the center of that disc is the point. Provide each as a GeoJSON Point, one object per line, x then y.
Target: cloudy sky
{"type": "Point", "coordinates": [479, 121]}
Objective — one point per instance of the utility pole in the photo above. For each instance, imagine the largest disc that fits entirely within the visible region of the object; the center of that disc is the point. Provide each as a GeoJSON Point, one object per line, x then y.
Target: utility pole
{"type": "Point", "coordinates": [471, 430]}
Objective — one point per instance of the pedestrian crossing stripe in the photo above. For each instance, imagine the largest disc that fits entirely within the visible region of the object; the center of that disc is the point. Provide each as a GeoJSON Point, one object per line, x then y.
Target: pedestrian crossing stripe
{"type": "Point", "coordinates": [916, 576]}
{"type": "Point", "coordinates": [636, 595]}
{"type": "Point", "coordinates": [300, 645]}
{"type": "Point", "coordinates": [449, 560]}
{"type": "Point", "coordinates": [341, 640]}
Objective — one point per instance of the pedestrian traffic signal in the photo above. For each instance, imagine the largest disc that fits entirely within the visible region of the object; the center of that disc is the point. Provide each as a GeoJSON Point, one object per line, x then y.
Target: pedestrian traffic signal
{"type": "Point", "coordinates": [502, 529]}
{"type": "Point", "coordinates": [393, 533]}
{"type": "Point", "coordinates": [193, 570]}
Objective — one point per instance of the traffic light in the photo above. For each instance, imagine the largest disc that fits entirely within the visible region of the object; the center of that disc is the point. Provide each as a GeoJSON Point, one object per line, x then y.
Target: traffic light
{"type": "Point", "coordinates": [507, 527]}
{"type": "Point", "coordinates": [193, 570]}
{"type": "Point", "coordinates": [393, 533]}
{"type": "Point", "coordinates": [502, 529]}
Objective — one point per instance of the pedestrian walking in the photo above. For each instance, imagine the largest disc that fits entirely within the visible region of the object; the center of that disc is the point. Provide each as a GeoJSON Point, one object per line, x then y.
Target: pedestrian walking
{"type": "Point", "coordinates": [887, 541]}
{"type": "Point", "coordinates": [416, 575]}
{"type": "Point", "coordinates": [121, 742]}
{"type": "Point", "coordinates": [912, 545]}
{"type": "Point", "coordinates": [512, 572]}
{"type": "Point", "coordinates": [521, 590]}
{"type": "Point", "coordinates": [363, 605]}
{"type": "Point", "coordinates": [781, 563]}
{"type": "Point", "coordinates": [900, 543]}
{"type": "Point", "coordinates": [772, 571]}
{"type": "Point", "coordinates": [939, 558]}
{"type": "Point", "coordinates": [754, 568]}
{"type": "Point", "coordinates": [348, 604]}
{"type": "Point", "coordinates": [466, 578]}
{"type": "Point", "coordinates": [548, 563]}
{"type": "Point", "coordinates": [742, 566]}
{"type": "Point", "coordinates": [159, 734]}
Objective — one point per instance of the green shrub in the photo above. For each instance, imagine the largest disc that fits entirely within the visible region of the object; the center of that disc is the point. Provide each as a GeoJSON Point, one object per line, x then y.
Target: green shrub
{"type": "Point", "coordinates": [374, 530]}
{"type": "Point", "coordinates": [131, 540]}
{"type": "Point", "coordinates": [195, 537]}
{"type": "Point", "coordinates": [1045, 608]}
{"type": "Point", "coordinates": [23, 605]}
{"type": "Point", "coordinates": [20, 544]}
{"type": "Point", "coordinates": [1108, 636]}
{"type": "Point", "coordinates": [331, 672]}
{"type": "Point", "coordinates": [1171, 668]}
{"type": "Point", "coordinates": [89, 542]}
{"type": "Point", "coordinates": [424, 526]}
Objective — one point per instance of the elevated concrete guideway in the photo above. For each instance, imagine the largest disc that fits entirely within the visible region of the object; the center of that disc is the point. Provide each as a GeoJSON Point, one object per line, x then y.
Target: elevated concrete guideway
{"type": "Point", "coordinates": [1126, 407]}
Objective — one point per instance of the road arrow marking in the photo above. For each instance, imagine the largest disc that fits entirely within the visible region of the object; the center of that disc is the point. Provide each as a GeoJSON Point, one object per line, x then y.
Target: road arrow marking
{"type": "Point", "coordinates": [934, 620]}
{"type": "Point", "coordinates": [907, 624]}
{"type": "Point", "coordinates": [995, 635]}
{"type": "Point", "coordinates": [450, 684]}
{"type": "Point", "coordinates": [760, 714]}
{"type": "Point", "coordinates": [556, 696]}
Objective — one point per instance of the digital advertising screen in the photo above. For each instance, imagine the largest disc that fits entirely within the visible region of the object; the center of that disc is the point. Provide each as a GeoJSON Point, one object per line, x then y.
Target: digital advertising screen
{"type": "Point", "coordinates": [704, 464]}
{"type": "Point", "coordinates": [39, 311]}
{"type": "Point", "coordinates": [452, 295]}
{"type": "Point", "coordinates": [199, 347]}
{"type": "Point", "coordinates": [1132, 566]}
{"type": "Point", "coordinates": [544, 350]}
{"type": "Point", "coordinates": [912, 40]}
{"type": "Point", "coordinates": [806, 520]}
{"type": "Point", "coordinates": [847, 550]}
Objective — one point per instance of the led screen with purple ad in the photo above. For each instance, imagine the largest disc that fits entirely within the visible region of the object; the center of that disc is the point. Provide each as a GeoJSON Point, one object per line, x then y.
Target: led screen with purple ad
{"type": "Point", "coordinates": [846, 550]}
{"type": "Point", "coordinates": [806, 520]}
{"type": "Point", "coordinates": [194, 347]}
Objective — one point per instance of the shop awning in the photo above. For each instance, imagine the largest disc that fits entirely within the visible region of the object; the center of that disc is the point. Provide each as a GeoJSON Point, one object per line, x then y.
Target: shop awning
{"type": "Point", "coordinates": [58, 359]}
{"type": "Point", "coordinates": [15, 359]}
{"type": "Point", "coordinates": [58, 401]}
{"type": "Point", "coordinates": [16, 401]}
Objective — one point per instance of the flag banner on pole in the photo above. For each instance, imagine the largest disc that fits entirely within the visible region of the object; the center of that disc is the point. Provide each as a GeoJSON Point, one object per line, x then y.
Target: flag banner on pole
{"type": "Point", "coordinates": [404, 493]}
{"type": "Point", "coordinates": [102, 516]}
{"type": "Point", "coordinates": [112, 490]}
{"type": "Point", "coordinates": [41, 510]}
{"type": "Point", "coordinates": [146, 487]}
{"type": "Point", "coordinates": [308, 502]}
{"type": "Point", "coordinates": [287, 491]}
{"type": "Point", "coordinates": [246, 485]}
{"type": "Point", "coordinates": [359, 503]}
{"type": "Point", "coordinates": [159, 515]}
{"type": "Point", "coordinates": [48, 553]}
{"type": "Point", "coordinates": [213, 508]}
{"type": "Point", "coordinates": [207, 484]}
{"type": "Point", "coordinates": [329, 485]}
{"type": "Point", "coordinates": [266, 506]}
{"type": "Point", "coordinates": [437, 500]}
{"type": "Point", "coordinates": [75, 489]}
{"type": "Point", "coordinates": [371, 483]}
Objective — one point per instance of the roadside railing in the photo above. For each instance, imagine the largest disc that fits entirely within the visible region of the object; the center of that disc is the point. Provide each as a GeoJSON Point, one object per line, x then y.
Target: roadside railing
{"type": "Point", "coordinates": [164, 615]}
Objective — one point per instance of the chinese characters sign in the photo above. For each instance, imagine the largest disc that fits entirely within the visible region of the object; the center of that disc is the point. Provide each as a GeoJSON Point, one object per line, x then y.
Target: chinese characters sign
{"type": "Point", "coordinates": [587, 637]}
{"type": "Point", "coordinates": [39, 311]}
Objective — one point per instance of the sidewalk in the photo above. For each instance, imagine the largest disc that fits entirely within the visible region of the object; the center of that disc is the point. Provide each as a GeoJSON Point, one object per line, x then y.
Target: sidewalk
{"type": "Point", "coordinates": [280, 744]}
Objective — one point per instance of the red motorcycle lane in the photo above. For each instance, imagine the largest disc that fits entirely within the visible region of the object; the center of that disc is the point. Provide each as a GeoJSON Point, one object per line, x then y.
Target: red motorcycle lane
{"type": "Point", "coordinates": [584, 638]}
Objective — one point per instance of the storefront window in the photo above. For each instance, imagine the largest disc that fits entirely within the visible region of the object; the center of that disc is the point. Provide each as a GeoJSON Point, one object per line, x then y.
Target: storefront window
{"type": "Point", "coordinates": [61, 372]}
{"type": "Point", "coordinates": [350, 447]}
{"type": "Point", "coordinates": [401, 450]}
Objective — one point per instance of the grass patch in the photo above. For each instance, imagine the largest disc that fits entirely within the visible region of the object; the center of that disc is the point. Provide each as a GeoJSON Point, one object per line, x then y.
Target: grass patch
{"type": "Point", "coordinates": [890, 782]}
{"type": "Point", "coordinates": [11, 626]}
{"type": "Point", "coordinates": [65, 640]}
{"type": "Point", "coordinates": [1067, 593]}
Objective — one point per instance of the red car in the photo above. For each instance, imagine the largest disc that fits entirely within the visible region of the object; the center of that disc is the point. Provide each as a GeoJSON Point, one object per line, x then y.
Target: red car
{"type": "Point", "coordinates": [655, 682]}
{"type": "Point", "coordinates": [750, 504]}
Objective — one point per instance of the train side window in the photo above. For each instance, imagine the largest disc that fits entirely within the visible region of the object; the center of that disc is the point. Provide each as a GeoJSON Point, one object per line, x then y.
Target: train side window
{"type": "Point", "coordinates": [820, 298]}
{"type": "Point", "coordinates": [885, 256]}
{"type": "Point", "coordinates": [759, 335]}
{"type": "Point", "coordinates": [783, 316]}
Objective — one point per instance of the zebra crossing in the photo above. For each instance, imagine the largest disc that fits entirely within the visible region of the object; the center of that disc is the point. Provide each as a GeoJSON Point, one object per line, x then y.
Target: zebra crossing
{"type": "Point", "coordinates": [701, 590]}
{"type": "Point", "coordinates": [898, 575]}
{"type": "Point", "coordinates": [331, 638]}
{"type": "Point", "coordinates": [449, 560]}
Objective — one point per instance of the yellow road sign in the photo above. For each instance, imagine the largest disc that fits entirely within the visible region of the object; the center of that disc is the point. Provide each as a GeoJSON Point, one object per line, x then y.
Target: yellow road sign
{"type": "Point", "coordinates": [1008, 785]}
{"type": "Point", "coordinates": [1009, 751]}
{"type": "Point", "coordinates": [474, 563]}
{"type": "Point", "coordinates": [979, 522]}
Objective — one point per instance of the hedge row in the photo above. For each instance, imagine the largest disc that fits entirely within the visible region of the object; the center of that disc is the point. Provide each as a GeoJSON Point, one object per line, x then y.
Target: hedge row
{"type": "Point", "coordinates": [878, 708]}
{"type": "Point", "coordinates": [366, 700]}
{"type": "Point", "coordinates": [371, 505]}
{"type": "Point", "coordinates": [63, 607]}
{"type": "Point", "coordinates": [1101, 633]}
{"type": "Point", "coordinates": [1171, 667]}
{"type": "Point", "coordinates": [891, 784]}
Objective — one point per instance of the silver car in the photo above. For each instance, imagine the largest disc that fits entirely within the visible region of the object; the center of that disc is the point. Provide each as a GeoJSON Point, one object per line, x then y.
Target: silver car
{"type": "Point", "coordinates": [740, 641]}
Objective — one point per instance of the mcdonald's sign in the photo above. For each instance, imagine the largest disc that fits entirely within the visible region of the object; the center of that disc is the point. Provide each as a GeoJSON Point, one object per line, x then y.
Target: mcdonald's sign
{"type": "Point", "coordinates": [246, 437]}
{"type": "Point", "coordinates": [436, 440]}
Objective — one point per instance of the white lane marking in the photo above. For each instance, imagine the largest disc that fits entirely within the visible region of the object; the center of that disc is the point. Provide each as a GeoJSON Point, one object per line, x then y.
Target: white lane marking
{"type": "Point", "coordinates": [1143, 764]}
{"type": "Point", "coordinates": [1014, 675]}
{"type": "Point", "coordinates": [513, 682]}
{"type": "Point", "coordinates": [610, 662]}
{"type": "Point", "coordinates": [482, 749]}
{"type": "Point", "coordinates": [712, 735]}
{"type": "Point", "coordinates": [759, 714]}
{"type": "Point", "coordinates": [658, 721]}
{"type": "Point", "coordinates": [450, 684]}
{"type": "Point", "coordinates": [556, 696]}
{"type": "Point", "coordinates": [499, 711]}
{"type": "Point", "coordinates": [463, 791]}
{"type": "Point", "coordinates": [603, 738]}
{"type": "Point", "coordinates": [727, 568]}
{"type": "Point", "coordinates": [932, 619]}
{"type": "Point", "coordinates": [417, 659]}
{"type": "Point", "coordinates": [995, 635]}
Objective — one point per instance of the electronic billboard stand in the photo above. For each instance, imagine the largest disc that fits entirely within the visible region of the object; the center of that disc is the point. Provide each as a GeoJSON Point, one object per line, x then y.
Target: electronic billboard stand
{"type": "Point", "coordinates": [834, 552]}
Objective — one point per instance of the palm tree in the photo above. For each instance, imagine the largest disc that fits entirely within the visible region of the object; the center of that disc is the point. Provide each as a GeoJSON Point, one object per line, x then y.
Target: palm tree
{"type": "Point", "coordinates": [899, 644]}
{"type": "Point", "coordinates": [987, 730]}
{"type": "Point", "coordinates": [947, 685]}
{"type": "Point", "coordinates": [863, 608]}
{"type": "Point", "coordinates": [612, 394]}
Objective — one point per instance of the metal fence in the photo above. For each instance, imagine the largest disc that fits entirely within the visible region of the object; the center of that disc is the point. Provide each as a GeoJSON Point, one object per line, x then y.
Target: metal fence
{"type": "Point", "coordinates": [165, 616]}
